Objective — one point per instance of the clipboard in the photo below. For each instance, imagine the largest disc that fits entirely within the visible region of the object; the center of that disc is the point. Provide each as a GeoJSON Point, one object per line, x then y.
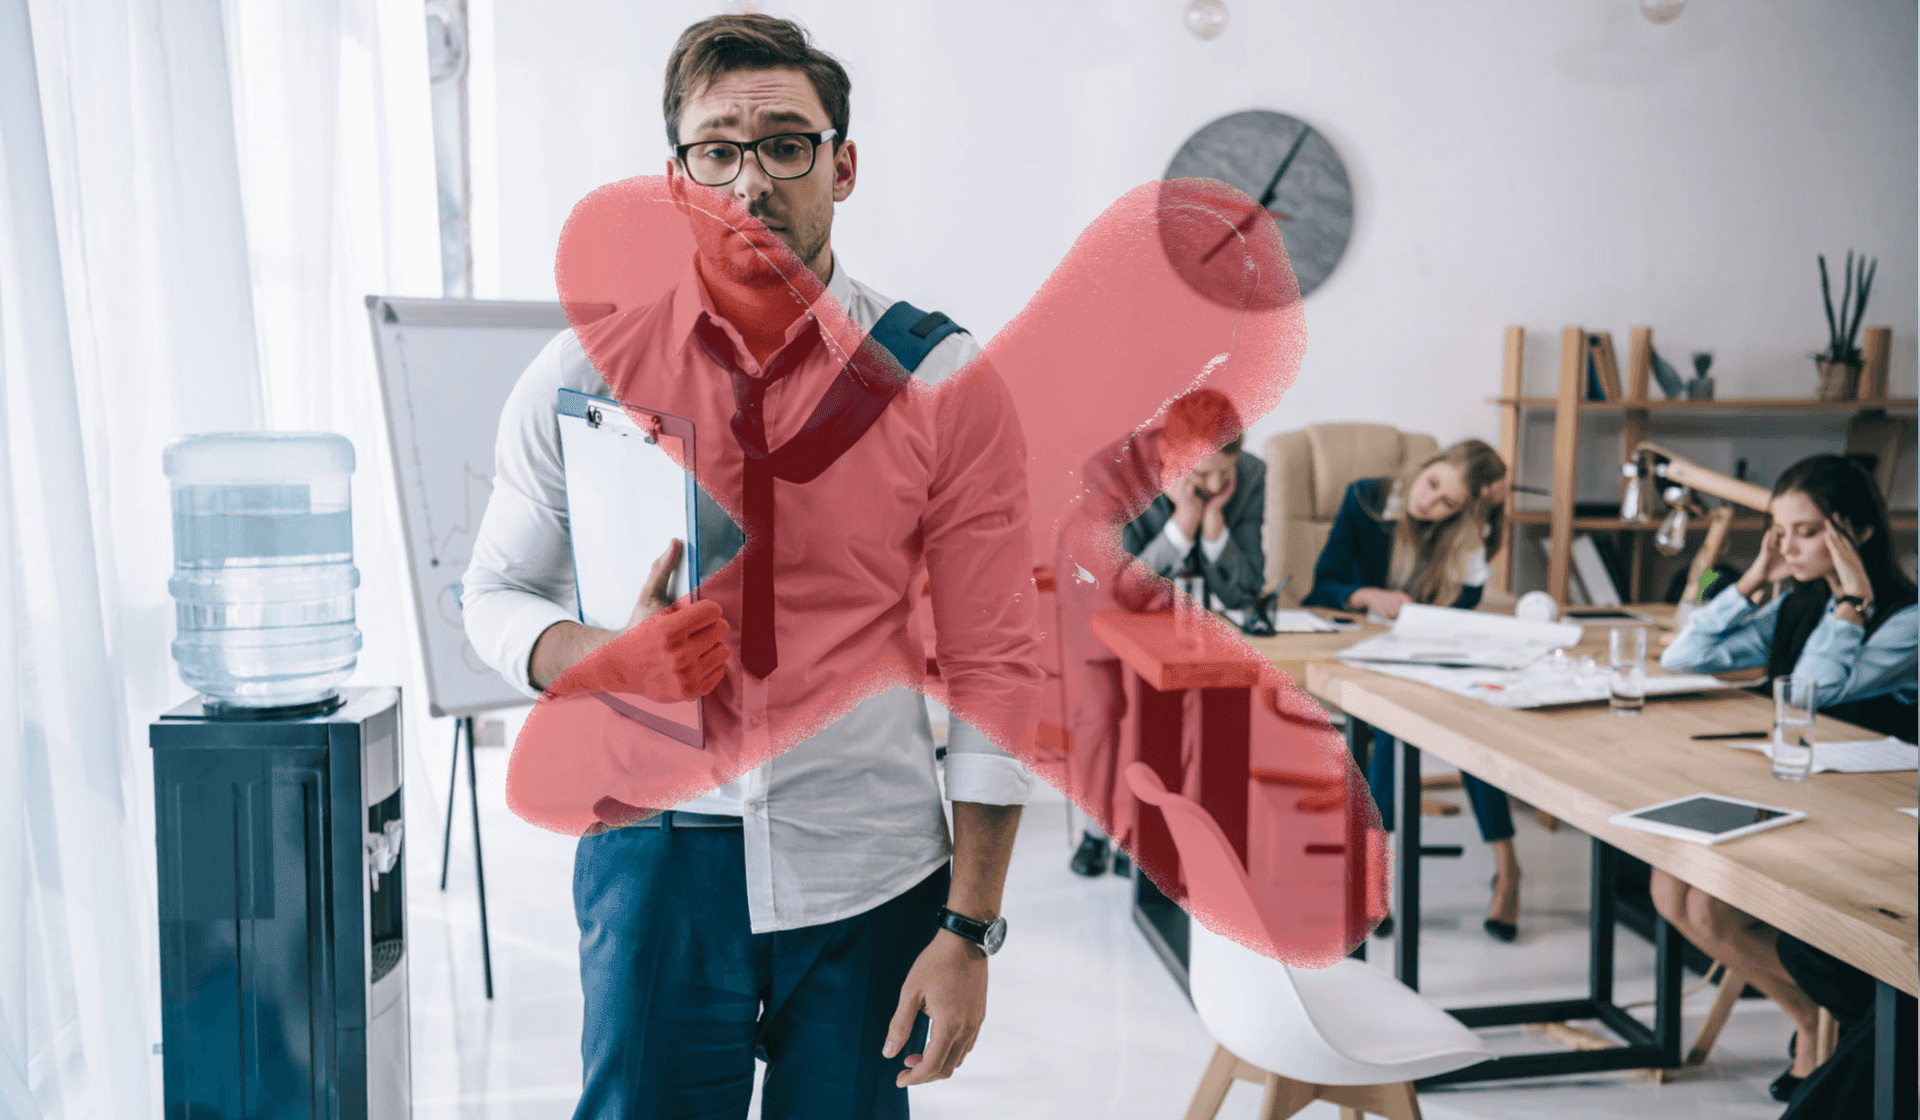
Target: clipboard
{"type": "Point", "coordinates": [627, 499]}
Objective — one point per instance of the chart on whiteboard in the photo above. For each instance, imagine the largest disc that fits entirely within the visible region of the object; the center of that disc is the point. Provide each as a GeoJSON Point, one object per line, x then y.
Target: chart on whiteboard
{"type": "Point", "coordinates": [447, 368]}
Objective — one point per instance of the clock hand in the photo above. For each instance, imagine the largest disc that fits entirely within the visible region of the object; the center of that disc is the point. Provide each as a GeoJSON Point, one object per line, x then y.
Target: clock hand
{"type": "Point", "coordinates": [1274, 185]}
{"type": "Point", "coordinates": [1266, 198]}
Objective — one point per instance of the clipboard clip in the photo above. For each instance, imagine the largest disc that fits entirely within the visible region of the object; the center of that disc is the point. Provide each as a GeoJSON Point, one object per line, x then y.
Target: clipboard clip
{"type": "Point", "coordinates": [649, 425]}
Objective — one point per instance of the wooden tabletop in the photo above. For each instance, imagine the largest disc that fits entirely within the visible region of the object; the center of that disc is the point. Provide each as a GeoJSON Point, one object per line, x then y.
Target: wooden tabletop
{"type": "Point", "coordinates": [1146, 642]}
{"type": "Point", "coordinates": [1844, 879]}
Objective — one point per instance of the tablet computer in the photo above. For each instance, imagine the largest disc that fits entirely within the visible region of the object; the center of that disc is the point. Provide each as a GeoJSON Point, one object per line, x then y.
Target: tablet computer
{"type": "Point", "coordinates": [1707, 818]}
{"type": "Point", "coordinates": [628, 497]}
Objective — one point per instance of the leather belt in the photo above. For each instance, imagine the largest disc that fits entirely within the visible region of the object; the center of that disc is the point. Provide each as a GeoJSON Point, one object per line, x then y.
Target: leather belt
{"type": "Point", "coordinates": [669, 819]}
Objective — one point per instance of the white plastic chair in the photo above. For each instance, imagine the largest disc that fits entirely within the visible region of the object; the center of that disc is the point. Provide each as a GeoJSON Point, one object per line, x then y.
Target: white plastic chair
{"type": "Point", "coordinates": [1350, 1034]}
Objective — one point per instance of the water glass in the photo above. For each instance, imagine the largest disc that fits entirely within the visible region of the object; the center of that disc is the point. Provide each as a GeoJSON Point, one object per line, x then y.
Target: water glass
{"type": "Point", "coordinates": [1187, 610]}
{"type": "Point", "coordinates": [1794, 702]}
{"type": "Point", "coordinates": [1627, 683]}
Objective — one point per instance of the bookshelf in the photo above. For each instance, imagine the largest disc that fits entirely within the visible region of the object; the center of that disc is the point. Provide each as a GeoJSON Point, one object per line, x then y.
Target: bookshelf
{"type": "Point", "coordinates": [1637, 412]}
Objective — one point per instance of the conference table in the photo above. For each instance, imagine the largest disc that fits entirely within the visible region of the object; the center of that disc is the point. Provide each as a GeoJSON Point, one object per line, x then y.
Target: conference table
{"type": "Point", "coordinates": [1844, 879]}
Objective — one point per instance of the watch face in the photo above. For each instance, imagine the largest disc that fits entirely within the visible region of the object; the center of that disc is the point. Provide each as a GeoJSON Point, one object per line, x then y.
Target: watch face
{"type": "Point", "coordinates": [996, 936]}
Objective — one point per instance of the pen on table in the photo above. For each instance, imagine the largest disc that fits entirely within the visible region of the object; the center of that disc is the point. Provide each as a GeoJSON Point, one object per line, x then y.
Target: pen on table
{"type": "Point", "coordinates": [1735, 735]}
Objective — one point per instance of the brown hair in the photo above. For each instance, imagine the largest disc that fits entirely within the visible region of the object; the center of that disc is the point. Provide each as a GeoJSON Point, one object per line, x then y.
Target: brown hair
{"type": "Point", "coordinates": [1204, 417]}
{"type": "Point", "coordinates": [722, 44]}
{"type": "Point", "coordinates": [1842, 487]}
{"type": "Point", "coordinates": [1430, 557]}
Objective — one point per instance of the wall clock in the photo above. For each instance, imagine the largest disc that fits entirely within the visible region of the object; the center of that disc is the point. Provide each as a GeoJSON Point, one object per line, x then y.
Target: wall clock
{"type": "Point", "coordinates": [1288, 168]}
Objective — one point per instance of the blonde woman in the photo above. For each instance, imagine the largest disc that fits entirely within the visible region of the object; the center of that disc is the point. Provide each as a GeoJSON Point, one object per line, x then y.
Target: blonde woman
{"type": "Point", "coordinates": [1422, 538]}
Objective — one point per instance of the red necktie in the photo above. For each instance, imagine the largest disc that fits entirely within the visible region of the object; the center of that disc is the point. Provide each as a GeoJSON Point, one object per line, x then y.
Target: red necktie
{"type": "Point", "coordinates": [855, 399]}
{"type": "Point", "coordinates": [759, 653]}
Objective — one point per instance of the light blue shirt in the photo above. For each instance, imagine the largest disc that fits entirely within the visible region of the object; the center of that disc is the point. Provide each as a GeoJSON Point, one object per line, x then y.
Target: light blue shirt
{"type": "Point", "coordinates": [1730, 633]}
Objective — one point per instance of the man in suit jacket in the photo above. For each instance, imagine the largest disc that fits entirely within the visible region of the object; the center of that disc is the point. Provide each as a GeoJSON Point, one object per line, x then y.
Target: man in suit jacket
{"type": "Point", "coordinates": [1209, 522]}
{"type": "Point", "coordinates": [1205, 521]}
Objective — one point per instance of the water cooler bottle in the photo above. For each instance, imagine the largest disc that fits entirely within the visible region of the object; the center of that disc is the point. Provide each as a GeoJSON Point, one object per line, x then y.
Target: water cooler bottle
{"type": "Point", "coordinates": [283, 964]}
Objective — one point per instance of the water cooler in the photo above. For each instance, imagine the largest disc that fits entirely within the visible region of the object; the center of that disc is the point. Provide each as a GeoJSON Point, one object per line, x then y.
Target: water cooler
{"type": "Point", "coordinates": [283, 966]}
{"type": "Point", "coordinates": [283, 949]}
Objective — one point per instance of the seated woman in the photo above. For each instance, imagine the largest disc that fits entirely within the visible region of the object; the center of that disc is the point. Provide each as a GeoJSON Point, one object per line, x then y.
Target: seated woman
{"type": "Point", "coordinates": [1422, 538]}
{"type": "Point", "coordinates": [1838, 609]}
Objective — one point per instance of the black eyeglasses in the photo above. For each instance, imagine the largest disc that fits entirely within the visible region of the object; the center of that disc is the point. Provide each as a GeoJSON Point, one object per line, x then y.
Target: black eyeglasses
{"type": "Point", "coordinates": [787, 155]}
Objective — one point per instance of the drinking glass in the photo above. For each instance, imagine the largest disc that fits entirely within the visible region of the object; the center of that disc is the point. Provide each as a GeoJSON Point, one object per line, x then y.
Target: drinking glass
{"type": "Point", "coordinates": [1794, 702]}
{"type": "Point", "coordinates": [1187, 610]}
{"type": "Point", "coordinates": [1627, 683]}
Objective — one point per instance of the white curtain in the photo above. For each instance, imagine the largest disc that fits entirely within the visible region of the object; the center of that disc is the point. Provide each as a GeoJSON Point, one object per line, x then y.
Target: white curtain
{"type": "Point", "coordinates": [195, 198]}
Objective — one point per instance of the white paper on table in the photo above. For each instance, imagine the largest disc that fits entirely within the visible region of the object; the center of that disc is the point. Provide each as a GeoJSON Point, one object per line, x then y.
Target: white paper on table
{"type": "Point", "coordinates": [1442, 636]}
{"type": "Point", "coordinates": [1536, 686]}
{"type": "Point", "coordinates": [1301, 622]}
{"type": "Point", "coordinates": [1854, 756]}
{"type": "Point", "coordinates": [1913, 812]}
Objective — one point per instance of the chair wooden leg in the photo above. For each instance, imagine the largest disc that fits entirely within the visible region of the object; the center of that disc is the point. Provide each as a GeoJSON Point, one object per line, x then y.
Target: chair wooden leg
{"type": "Point", "coordinates": [1403, 1103]}
{"type": "Point", "coordinates": [1731, 984]}
{"type": "Point", "coordinates": [1396, 1101]}
{"type": "Point", "coordinates": [1545, 820]}
{"type": "Point", "coordinates": [1283, 1097]}
{"type": "Point", "coordinates": [1826, 1037]}
{"type": "Point", "coordinates": [1214, 1084]}
{"type": "Point", "coordinates": [1347, 1113]}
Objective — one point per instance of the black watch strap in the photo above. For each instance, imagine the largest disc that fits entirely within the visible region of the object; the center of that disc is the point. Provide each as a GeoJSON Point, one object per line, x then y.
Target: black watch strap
{"type": "Point", "coordinates": [1857, 602]}
{"type": "Point", "coordinates": [988, 936]}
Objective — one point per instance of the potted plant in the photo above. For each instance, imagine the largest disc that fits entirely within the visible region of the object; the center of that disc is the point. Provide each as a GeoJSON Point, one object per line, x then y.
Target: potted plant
{"type": "Point", "coordinates": [1839, 363]}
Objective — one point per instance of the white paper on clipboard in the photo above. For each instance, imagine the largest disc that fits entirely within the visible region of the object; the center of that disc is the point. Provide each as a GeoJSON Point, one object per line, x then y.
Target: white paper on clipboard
{"type": "Point", "coordinates": [627, 499]}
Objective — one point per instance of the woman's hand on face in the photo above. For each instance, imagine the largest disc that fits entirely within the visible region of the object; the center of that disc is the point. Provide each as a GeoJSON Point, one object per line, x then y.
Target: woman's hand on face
{"type": "Point", "coordinates": [1847, 567]}
{"type": "Point", "coordinates": [1769, 566]}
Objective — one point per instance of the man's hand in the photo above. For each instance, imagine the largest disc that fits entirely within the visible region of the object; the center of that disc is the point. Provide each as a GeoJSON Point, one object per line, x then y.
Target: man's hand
{"type": "Point", "coordinates": [1213, 521]}
{"type": "Point", "coordinates": [1187, 506]}
{"type": "Point", "coordinates": [655, 595]}
{"type": "Point", "coordinates": [667, 653]}
{"type": "Point", "coordinates": [949, 982]}
{"type": "Point", "coordinates": [675, 654]}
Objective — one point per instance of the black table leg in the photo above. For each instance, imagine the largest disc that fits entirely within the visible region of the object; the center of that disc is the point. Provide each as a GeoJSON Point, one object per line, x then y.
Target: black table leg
{"type": "Point", "coordinates": [1668, 960]}
{"type": "Point", "coordinates": [479, 867]}
{"type": "Point", "coordinates": [1600, 925]}
{"type": "Point", "coordinates": [1406, 866]}
{"type": "Point", "coordinates": [1356, 845]}
{"type": "Point", "coordinates": [1894, 1030]}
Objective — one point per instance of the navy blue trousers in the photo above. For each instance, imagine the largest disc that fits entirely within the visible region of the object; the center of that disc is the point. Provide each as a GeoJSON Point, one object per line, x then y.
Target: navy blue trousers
{"type": "Point", "coordinates": [1489, 802]}
{"type": "Point", "coordinates": [681, 994]}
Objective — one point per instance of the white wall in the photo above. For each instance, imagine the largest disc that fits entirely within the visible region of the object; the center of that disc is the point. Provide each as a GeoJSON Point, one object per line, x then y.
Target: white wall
{"type": "Point", "coordinates": [1513, 161]}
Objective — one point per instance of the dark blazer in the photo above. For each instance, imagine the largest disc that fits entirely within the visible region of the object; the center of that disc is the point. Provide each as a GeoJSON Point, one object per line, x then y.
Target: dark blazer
{"type": "Point", "coordinates": [1359, 550]}
{"type": "Point", "coordinates": [1240, 573]}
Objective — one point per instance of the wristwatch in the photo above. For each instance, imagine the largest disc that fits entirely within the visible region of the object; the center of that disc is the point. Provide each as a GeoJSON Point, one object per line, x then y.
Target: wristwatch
{"type": "Point", "coordinates": [1857, 602]}
{"type": "Point", "coordinates": [988, 936]}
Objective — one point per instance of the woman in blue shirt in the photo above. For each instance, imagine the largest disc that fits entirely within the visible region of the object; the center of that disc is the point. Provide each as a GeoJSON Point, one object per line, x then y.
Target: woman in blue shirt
{"type": "Point", "coordinates": [1842, 613]}
{"type": "Point", "coordinates": [1422, 538]}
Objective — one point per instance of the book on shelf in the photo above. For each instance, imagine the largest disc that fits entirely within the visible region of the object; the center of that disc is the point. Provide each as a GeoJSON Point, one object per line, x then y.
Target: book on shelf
{"type": "Point", "coordinates": [1603, 369]}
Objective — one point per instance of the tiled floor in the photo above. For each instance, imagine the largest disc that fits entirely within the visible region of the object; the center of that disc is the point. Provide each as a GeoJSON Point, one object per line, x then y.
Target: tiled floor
{"type": "Point", "coordinates": [1083, 1021]}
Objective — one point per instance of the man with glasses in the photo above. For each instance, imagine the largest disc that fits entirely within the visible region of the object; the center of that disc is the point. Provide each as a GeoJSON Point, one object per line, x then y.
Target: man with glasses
{"type": "Point", "coordinates": [813, 909]}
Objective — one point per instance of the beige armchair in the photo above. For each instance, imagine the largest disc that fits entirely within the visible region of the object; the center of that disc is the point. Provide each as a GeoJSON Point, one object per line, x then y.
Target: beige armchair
{"type": "Point", "coordinates": [1308, 472]}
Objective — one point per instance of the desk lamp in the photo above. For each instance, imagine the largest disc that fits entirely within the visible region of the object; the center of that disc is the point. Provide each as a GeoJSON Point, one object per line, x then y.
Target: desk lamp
{"type": "Point", "coordinates": [1685, 480]}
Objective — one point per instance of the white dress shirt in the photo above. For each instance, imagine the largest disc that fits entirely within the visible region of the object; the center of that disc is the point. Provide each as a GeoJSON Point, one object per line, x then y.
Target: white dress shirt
{"type": "Point", "coordinates": [844, 821]}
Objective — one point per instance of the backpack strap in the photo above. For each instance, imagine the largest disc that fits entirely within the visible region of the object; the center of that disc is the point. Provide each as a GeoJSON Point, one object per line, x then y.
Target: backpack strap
{"type": "Point", "coordinates": [910, 334]}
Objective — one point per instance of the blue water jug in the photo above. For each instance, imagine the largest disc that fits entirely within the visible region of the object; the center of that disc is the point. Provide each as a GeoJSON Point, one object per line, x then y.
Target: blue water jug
{"type": "Point", "coordinates": [263, 574]}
